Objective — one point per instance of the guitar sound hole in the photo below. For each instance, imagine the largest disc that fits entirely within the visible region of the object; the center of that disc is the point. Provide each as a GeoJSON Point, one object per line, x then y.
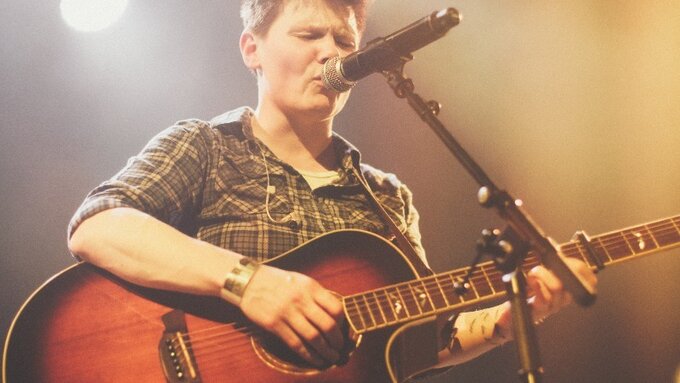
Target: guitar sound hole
{"type": "Point", "coordinates": [277, 355]}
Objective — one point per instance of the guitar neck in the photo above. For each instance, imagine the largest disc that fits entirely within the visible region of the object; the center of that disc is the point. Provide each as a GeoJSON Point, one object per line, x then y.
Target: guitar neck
{"type": "Point", "coordinates": [435, 294]}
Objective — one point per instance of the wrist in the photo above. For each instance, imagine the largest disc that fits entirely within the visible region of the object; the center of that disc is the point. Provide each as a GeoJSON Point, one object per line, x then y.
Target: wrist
{"type": "Point", "coordinates": [503, 325]}
{"type": "Point", "coordinates": [238, 279]}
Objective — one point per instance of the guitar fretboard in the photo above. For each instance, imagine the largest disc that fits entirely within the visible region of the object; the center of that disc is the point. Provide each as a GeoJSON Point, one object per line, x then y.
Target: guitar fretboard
{"type": "Point", "coordinates": [434, 294]}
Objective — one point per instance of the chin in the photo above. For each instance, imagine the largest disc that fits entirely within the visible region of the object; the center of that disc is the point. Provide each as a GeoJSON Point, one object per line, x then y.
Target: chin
{"type": "Point", "coordinates": [327, 109]}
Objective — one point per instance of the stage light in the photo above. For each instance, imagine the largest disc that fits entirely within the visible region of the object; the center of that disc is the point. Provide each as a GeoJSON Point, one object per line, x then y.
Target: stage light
{"type": "Point", "coordinates": [91, 15]}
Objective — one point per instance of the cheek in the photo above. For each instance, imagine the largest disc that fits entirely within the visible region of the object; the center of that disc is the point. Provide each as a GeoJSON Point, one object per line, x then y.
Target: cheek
{"type": "Point", "coordinates": [287, 68]}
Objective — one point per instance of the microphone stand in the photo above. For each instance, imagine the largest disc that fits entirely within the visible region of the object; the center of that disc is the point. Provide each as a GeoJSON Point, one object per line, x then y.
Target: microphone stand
{"type": "Point", "coordinates": [519, 237]}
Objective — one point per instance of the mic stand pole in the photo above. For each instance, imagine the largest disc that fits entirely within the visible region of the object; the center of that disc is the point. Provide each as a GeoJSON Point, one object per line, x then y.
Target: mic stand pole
{"type": "Point", "coordinates": [521, 232]}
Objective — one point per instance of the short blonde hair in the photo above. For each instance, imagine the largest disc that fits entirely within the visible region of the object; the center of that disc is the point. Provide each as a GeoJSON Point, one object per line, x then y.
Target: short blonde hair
{"type": "Point", "coordinates": [258, 15]}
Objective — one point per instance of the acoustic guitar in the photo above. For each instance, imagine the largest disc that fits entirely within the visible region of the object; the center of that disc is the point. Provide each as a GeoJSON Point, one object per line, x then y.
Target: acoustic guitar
{"type": "Point", "coordinates": [86, 325]}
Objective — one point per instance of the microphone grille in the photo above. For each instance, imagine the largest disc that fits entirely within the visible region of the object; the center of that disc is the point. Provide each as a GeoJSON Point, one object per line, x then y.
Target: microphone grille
{"type": "Point", "coordinates": [332, 77]}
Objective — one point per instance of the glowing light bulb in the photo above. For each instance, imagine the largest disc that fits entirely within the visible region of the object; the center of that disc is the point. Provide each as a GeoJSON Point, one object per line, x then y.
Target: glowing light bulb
{"type": "Point", "coordinates": [91, 15]}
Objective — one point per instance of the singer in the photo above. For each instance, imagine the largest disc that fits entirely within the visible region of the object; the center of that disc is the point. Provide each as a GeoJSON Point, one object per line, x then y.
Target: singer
{"type": "Point", "coordinates": [205, 206]}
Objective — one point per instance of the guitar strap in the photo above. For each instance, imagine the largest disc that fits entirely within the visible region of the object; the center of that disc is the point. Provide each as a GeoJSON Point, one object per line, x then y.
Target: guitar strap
{"type": "Point", "coordinates": [416, 348]}
{"type": "Point", "coordinates": [402, 242]}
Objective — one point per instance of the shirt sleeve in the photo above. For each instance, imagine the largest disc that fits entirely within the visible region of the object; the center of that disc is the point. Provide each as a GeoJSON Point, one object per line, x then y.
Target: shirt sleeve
{"type": "Point", "coordinates": [397, 199]}
{"type": "Point", "coordinates": [164, 180]}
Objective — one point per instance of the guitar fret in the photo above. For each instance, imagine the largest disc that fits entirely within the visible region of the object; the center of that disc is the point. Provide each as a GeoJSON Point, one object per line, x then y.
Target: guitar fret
{"type": "Point", "coordinates": [470, 293]}
{"type": "Point", "coordinates": [414, 299]}
{"type": "Point", "coordinates": [493, 290]}
{"type": "Point", "coordinates": [649, 233]}
{"type": "Point", "coordinates": [481, 284]}
{"type": "Point", "coordinates": [473, 285]}
{"type": "Point", "coordinates": [397, 303]}
{"type": "Point", "coordinates": [599, 240]}
{"type": "Point", "coordinates": [390, 315]}
{"type": "Point", "coordinates": [426, 292]}
{"type": "Point", "coordinates": [449, 293]}
{"type": "Point", "coordinates": [495, 278]}
{"type": "Point", "coordinates": [677, 228]}
{"type": "Point", "coordinates": [370, 310]}
{"type": "Point", "coordinates": [362, 313]}
{"type": "Point", "coordinates": [617, 246]}
{"type": "Point", "coordinates": [625, 240]}
{"type": "Point", "coordinates": [441, 291]}
{"type": "Point", "coordinates": [405, 302]}
{"type": "Point", "coordinates": [639, 242]}
{"type": "Point", "coordinates": [357, 313]}
{"type": "Point", "coordinates": [667, 235]}
{"type": "Point", "coordinates": [453, 289]}
{"type": "Point", "coordinates": [377, 301]}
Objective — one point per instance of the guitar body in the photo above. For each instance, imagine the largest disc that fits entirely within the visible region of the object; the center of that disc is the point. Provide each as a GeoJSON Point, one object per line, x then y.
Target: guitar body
{"type": "Point", "coordinates": [86, 325]}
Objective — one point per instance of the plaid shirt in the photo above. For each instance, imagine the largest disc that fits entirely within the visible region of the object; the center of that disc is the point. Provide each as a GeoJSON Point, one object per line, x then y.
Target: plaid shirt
{"type": "Point", "coordinates": [208, 179]}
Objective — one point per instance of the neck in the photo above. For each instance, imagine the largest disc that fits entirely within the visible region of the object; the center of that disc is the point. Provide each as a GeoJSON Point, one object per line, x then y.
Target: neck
{"type": "Point", "coordinates": [305, 144]}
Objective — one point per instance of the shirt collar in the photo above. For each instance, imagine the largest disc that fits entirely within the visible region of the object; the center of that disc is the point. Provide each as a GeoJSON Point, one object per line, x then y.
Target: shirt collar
{"type": "Point", "coordinates": [348, 154]}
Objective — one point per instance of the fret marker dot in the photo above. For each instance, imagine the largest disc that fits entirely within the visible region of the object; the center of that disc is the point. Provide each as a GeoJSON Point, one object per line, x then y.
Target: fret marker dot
{"type": "Point", "coordinates": [641, 241]}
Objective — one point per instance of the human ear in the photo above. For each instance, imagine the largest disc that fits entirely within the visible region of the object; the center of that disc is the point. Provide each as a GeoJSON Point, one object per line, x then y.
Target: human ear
{"type": "Point", "coordinates": [248, 46]}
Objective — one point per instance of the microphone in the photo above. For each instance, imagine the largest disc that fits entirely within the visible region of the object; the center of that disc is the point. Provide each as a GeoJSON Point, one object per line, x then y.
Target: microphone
{"type": "Point", "coordinates": [341, 74]}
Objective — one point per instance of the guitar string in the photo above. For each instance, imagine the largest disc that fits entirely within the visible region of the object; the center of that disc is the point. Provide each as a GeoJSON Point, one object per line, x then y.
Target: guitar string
{"type": "Point", "coordinates": [224, 341]}
{"type": "Point", "coordinates": [431, 284]}
{"type": "Point", "coordinates": [216, 344]}
{"type": "Point", "coordinates": [662, 228]}
{"type": "Point", "coordinates": [623, 241]}
{"type": "Point", "coordinates": [212, 353]}
{"type": "Point", "coordinates": [430, 281]}
{"type": "Point", "coordinates": [215, 333]}
{"type": "Point", "coordinates": [622, 238]}
{"type": "Point", "coordinates": [478, 276]}
{"type": "Point", "coordinates": [427, 283]}
{"type": "Point", "coordinates": [212, 330]}
{"type": "Point", "coordinates": [572, 249]}
{"type": "Point", "coordinates": [652, 230]}
{"type": "Point", "coordinates": [409, 299]}
{"type": "Point", "coordinates": [219, 340]}
{"type": "Point", "coordinates": [492, 276]}
{"type": "Point", "coordinates": [191, 338]}
{"type": "Point", "coordinates": [240, 356]}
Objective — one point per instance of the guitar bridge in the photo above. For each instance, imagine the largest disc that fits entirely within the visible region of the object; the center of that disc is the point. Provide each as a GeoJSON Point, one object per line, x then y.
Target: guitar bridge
{"type": "Point", "coordinates": [177, 360]}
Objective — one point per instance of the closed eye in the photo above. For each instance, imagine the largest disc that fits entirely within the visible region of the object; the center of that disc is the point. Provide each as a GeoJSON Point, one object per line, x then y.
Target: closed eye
{"type": "Point", "coordinates": [309, 36]}
{"type": "Point", "coordinates": [345, 43]}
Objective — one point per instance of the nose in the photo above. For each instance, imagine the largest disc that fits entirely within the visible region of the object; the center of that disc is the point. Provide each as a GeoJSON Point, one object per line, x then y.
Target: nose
{"type": "Point", "coordinates": [328, 48]}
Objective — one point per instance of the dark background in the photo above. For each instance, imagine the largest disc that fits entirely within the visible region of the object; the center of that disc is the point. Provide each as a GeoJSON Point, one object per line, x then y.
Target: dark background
{"type": "Point", "coordinates": [571, 106]}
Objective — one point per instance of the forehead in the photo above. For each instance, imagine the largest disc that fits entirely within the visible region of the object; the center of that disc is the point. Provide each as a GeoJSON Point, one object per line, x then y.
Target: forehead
{"type": "Point", "coordinates": [318, 13]}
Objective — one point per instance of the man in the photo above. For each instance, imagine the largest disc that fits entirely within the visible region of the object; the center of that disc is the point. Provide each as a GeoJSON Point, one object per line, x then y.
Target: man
{"type": "Point", "coordinates": [202, 195]}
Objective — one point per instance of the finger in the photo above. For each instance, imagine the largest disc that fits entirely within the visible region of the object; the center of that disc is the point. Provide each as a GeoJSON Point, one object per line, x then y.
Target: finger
{"type": "Point", "coordinates": [297, 344]}
{"type": "Point", "coordinates": [330, 303]}
{"type": "Point", "coordinates": [538, 287]}
{"type": "Point", "coordinates": [326, 317]}
{"type": "Point", "coordinates": [312, 337]}
{"type": "Point", "coordinates": [550, 293]}
{"type": "Point", "coordinates": [581, 268]}
{"type": "Point", "coordinates": [548, 279]}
